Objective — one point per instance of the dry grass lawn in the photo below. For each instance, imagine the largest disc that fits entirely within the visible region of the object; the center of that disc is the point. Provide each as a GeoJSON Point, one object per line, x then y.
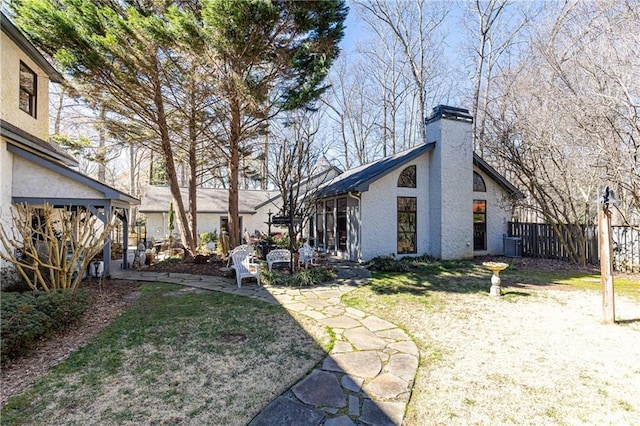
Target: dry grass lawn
{"type": "Point", "coordinates": [177, 356]}
{"type": "Point", "coordinates": [537, 356]}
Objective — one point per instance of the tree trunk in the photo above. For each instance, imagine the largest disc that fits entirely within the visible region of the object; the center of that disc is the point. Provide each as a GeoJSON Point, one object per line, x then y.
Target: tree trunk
{"type": "Point", "coordinates": [193, 170]}
{"type": "Point", "coordinates": [234, 162]}
{"type": "Point", "coordinates": [165, 143]}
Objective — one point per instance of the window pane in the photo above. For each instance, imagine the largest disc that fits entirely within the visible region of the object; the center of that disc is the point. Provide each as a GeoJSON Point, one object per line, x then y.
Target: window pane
{"type": "Point", "coordinates": [28, 84]}
{"type": "Point", "coordinates": [407, 178]}
{"type": "Point", "coordinates": [478, 183]}
{"type": "Point", "coordinates": [407, 224]}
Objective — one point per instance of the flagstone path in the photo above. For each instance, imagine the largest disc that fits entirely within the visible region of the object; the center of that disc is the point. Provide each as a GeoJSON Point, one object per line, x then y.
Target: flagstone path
{"type": "Point", "coordinates": [367, 377]}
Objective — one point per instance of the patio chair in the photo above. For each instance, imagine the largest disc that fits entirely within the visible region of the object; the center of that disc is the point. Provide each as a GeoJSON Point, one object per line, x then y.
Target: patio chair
{"type": "Point", "coordinates": [242, 264]}
{"type": "Point", "coordinates": [306, 256]}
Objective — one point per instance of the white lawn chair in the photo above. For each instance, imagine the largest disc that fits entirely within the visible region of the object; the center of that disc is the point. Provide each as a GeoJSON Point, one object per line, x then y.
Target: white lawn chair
{"type": "Point", "coordinates": [305, 256]}
{"type": "Point", "coordinates": [242, 264]}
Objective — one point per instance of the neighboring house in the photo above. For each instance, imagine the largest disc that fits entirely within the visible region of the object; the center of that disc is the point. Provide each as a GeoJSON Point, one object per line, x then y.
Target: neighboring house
{"type": "Point", "coordinates": [254, 206]}
{"type": "Point", "coordinates": [213, 204]}
{"type": "Point", "coordinates": [438, 198]}
{"type": "Point", "coordinates": [31, 169]}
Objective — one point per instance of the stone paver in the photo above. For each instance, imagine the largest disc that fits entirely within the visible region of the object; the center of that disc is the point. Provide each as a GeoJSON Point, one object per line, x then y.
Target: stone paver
{"type": "Point", "coordinates": [377, 324]}
{"type": "Point", "coordinates": [402, 365]}
{"type": "Point", "coordinates": [358, 364]}
{"type": "Point", "coordinates": [341, 322]}
{"type": "Point", "coordinates": [382, 413]}
{"type": "Point", "coordinates": [364, 339]}
{"type": "Point", "coordinates": [320, 388]}
{"type": "Point", "coordinates": [386, 386]}
{"type": "Point", "coordinates": [285, 411]}
{"type": "Point", "coordinates": [369, 372]}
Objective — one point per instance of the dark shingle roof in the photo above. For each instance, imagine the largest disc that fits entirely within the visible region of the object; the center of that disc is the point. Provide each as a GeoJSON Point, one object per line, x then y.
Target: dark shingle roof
{"type": "Point", "coordinates": [493, 174]}
{"type": "Point", "coordinates": [359, 178]}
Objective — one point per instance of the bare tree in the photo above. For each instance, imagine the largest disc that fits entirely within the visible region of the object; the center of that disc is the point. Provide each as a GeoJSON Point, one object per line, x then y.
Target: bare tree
{"type": "Point", "coordinates": [52, 248]}
{"type": "Point", "coordinates": [417, 27]}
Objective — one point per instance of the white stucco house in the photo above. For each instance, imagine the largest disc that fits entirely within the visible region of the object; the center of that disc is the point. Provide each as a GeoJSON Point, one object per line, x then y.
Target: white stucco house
{"type": "Point", "coordinates": [32, 170]}
{"type": "Point", "coordinates": [438, 198]}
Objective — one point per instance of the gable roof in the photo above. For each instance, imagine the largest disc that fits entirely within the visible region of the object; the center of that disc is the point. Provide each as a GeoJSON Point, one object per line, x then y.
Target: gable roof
{"type": "Point", "coordinates": [210, 200]}
{"type": "Point", "coordinates": [358, 179]}
{"type": "Point", "coordinates": [17, 136]}
{"type": "Point", "coordinates": [497, 177]}
{"type": "Point", "coordinates": [28, 48]}
{"type": "Point", "coordinates": [108, 191]}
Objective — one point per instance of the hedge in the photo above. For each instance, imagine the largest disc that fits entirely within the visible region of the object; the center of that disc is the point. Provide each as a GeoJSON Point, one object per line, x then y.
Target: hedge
{"type": "Point", "coordinates": [27, 317]}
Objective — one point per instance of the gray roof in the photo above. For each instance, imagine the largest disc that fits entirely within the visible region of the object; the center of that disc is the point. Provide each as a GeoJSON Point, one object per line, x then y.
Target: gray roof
{"type": "Point", "coordinates": [109, 192]}
{"type": "Point", "coordinates": [27, 47]}
{"type": "Point", "coordinates": [27, 140]}
{"type": "Point", "coordinates": [493, 174]}
{"type": "Point", "coordinates": [209, 200]}
{"type": "Point", "coordinates": [358, 179]}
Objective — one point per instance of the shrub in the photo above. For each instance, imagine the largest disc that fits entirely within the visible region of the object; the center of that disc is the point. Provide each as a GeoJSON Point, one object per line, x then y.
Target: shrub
{"type": "Point", "coordinates": [387, 264]}
{"type": "Point", "coordinates": [27, 317]}
{"type": "Point", "coordinates": [272, 277]}
{"type": "Point", "coordinates": [298, 279]}
{"type": "Point", "coordinates": [208, 237]}
{"type": "Point", "coordinates": [404, 264]}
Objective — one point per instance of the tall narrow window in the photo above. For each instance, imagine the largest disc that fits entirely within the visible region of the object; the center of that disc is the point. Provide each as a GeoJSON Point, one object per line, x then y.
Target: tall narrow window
{"type": "Point", "coordinates": [479, 225]}
{"type": "Point", "coordinates": [407, 215]}
{"type": "Point", "coordinates": [28, 90]}
{"type": "Point", "coordinates": [478, 183]}
{"type": "Point", "coordinates": [407, 178]}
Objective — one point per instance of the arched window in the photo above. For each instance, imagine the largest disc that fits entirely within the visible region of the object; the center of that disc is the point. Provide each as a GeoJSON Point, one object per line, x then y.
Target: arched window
{"type": "Point", "coordinates": [407, 178]}
{"type": "Point", "coordinates": [478, 183]}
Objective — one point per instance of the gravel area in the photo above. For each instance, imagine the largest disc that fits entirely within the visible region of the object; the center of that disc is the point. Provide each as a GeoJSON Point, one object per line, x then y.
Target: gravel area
{"type": "Point", "coordinates": [533, 357]}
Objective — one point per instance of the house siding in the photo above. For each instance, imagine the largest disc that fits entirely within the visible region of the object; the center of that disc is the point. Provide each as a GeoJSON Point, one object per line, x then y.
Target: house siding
{"type": "Point", "coordinates": [158, 223]}
{"type": "Point", "coordinates": [10, 57]}
{"type": "Point", "coordinates": [32, 180]}
{"type": "Point", "coordinates": [379, 233]}
{"type": "Point", "coordinates": [6, 180]}
{"type": "Point", "coordinates": [498, 215]}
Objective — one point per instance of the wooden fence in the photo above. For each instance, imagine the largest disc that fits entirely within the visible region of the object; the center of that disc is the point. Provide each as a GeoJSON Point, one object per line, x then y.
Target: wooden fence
{"type": "Point", "coordinates": [540, 240]}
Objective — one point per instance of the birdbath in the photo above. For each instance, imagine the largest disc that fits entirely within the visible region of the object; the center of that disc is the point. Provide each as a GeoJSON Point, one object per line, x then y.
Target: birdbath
{"type": "Point", "coordinates": [495, 267]}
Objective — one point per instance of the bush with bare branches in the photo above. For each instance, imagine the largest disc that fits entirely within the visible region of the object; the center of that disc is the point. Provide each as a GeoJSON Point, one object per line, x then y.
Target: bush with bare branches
{"type": "Point", "coordinates": [51, 248]}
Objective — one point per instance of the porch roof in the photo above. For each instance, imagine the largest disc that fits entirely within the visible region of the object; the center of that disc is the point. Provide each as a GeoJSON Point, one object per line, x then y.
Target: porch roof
{"type": "Point", "coordinates": [110, 195]}
{"type": "Point", "coordinates": [28, 142]}
{"type": "Point", "coordinates": [358, 179]}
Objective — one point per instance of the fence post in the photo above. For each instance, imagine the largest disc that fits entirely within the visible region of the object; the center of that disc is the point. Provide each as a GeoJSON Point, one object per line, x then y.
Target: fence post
{"type": "Point", "coordinates": [606, 266]}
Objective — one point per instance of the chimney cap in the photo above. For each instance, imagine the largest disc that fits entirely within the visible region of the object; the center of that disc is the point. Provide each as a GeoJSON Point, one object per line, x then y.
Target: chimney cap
{"type": "Point", "coordinates": [449, 112]}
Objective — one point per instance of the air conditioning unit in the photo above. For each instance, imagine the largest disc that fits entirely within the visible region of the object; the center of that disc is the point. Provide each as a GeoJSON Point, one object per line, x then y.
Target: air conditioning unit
{"type": "Point", "coordinates": [512, 246]}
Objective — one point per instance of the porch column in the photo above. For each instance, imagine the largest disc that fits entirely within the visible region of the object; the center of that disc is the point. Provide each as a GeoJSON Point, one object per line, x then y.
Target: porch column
{"type": "Point", "coordinates": [106, 250]}
{"type": "Point", "coordinates": [125, 237]}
